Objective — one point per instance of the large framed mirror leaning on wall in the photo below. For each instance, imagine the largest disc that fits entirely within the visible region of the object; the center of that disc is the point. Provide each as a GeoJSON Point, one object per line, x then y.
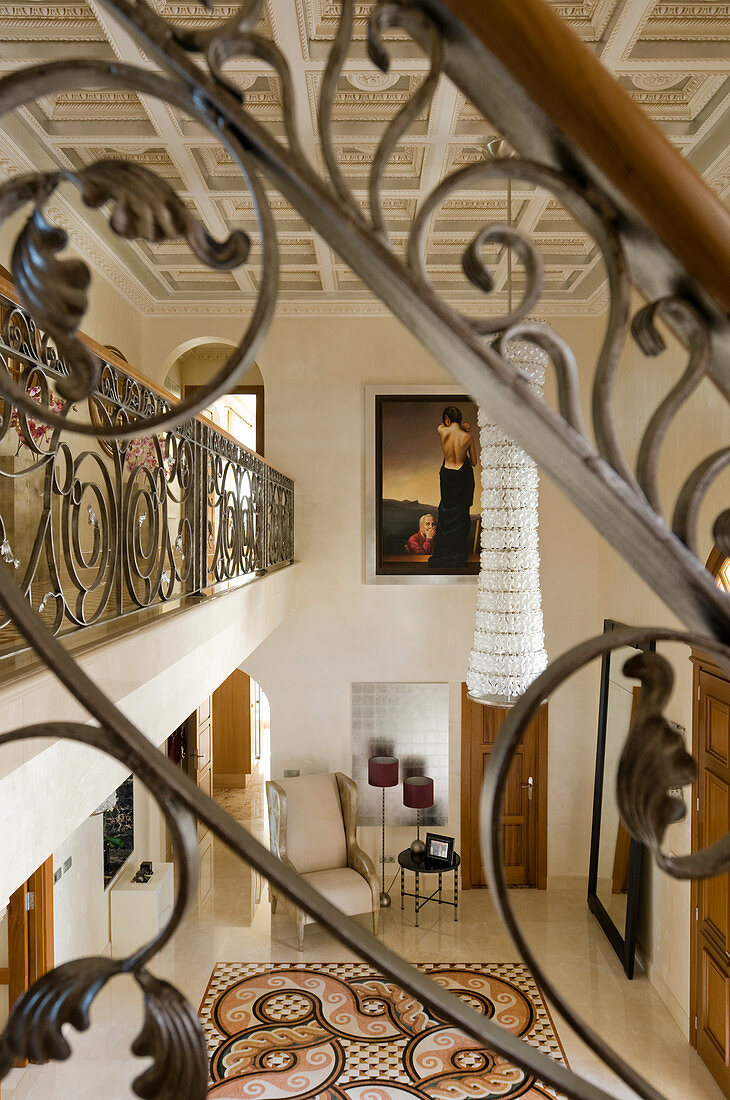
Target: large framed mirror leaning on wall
{"type": "Point", "coordinates": [614, 876]}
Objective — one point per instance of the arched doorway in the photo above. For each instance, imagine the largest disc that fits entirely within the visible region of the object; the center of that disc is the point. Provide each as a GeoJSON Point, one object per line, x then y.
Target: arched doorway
{"type": "Point", "coordinates": [241, 411]}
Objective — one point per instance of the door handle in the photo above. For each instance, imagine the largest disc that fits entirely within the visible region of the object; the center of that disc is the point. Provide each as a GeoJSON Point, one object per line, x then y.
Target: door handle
{"type": "Point", "coordinates": [528, 787]}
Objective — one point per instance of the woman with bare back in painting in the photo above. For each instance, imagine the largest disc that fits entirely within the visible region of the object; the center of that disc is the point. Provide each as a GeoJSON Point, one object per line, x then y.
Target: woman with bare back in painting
{"type": "Point", "coordinates": [456, 479]}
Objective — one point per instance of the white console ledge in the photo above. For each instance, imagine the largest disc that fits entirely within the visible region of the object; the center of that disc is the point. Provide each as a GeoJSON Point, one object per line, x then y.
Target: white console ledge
{"type": "Point", "coordinates": [140, 909]}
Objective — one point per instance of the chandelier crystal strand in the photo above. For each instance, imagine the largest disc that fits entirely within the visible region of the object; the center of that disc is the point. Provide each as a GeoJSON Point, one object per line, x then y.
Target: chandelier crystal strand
{"type": "Point", "coordinates": [509, 643]}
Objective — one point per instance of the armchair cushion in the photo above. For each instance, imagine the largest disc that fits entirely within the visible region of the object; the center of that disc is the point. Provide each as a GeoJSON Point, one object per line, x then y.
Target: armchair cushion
{"type": "Point", "coordinates": [315, 834]}
{"type": "Point", "coordinates": [344, 887]}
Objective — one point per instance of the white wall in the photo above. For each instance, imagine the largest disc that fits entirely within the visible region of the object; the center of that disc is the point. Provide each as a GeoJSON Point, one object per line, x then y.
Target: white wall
{"type": "Point", "coordinates": [80, 903]}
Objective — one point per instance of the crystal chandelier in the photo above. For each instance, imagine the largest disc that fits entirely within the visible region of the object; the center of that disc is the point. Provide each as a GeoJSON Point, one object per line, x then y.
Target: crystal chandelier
{"type": "Point", "coordinates": [509, 644]}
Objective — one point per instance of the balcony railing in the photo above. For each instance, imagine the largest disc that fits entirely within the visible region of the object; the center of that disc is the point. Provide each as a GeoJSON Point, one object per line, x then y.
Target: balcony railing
{"type": "Point", "coordinates": [98, 530]}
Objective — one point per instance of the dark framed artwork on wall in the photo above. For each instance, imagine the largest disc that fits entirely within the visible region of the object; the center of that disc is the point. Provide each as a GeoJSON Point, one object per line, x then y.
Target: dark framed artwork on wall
{"type": "Point", "coordinates": [424, 517]}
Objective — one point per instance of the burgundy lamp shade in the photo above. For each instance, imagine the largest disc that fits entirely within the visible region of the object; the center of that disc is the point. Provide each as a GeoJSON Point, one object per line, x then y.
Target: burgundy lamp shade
{"type": "Point", "coordinates": [383, 771]}
{"type": "Point", "coordinates": [418, 792]}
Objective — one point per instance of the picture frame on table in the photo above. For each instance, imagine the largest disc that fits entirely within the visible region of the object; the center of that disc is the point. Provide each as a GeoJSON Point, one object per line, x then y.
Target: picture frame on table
{"type": "Point", "coordinates": [439, 849]}
{"type": "Point", "coordinates": [409, 490]}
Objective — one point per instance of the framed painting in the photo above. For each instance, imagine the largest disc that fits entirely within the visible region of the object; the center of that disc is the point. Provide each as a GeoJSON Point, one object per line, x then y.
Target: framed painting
{"type": "Point", "coordinates": [424, 487]}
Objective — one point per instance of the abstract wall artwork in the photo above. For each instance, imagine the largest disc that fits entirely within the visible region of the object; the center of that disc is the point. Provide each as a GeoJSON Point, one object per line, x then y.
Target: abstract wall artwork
{"type": "Point", "coordinates": [410, 721]}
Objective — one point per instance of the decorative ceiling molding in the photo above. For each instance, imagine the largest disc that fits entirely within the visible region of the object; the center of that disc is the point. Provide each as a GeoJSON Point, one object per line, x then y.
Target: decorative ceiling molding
{"type": "Point", "coordinates": [372, 80]}
{"type": "Point", "coordinates": [672, 57]}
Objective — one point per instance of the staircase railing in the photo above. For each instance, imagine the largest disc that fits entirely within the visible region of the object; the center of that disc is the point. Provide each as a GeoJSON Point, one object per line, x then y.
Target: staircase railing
{"type": "Point", "coordinates": [658, 231]}
{"type": "Point", "coordinates": [97, 531]}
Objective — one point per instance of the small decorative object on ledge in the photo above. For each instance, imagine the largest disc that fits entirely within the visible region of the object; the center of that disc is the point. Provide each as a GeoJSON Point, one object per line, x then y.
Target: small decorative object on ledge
{"type": "Point", "coordinates": [145, 872]}
{"type": "Point", "coordinates": [418, 795]}
{"type": "Point", "coordinates": [383, 772]}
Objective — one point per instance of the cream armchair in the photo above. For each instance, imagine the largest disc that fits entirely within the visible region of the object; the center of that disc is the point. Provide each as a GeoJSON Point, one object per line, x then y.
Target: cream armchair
{"type": "Point", "coordinates": [312, 825]}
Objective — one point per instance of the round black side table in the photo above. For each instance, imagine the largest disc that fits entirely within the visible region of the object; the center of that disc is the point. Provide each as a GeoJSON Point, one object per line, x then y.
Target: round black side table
{"type": "Point", "coordinates": [425, 866]}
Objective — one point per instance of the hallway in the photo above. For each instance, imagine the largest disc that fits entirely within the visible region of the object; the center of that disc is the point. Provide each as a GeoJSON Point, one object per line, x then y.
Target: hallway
{"type": "Point", "coordinates": [235, 925]}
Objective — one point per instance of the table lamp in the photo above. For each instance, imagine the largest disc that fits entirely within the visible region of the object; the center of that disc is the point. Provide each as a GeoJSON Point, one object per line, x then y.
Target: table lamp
{"type": "Point", "coordinates": [383, 772]}
{"type": "Point", "coordinates": [418, 795]}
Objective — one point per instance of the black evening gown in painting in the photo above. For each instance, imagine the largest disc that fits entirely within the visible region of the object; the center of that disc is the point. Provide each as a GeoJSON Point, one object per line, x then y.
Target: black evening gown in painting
{"type": "Point", "coordinates": [454, 522]}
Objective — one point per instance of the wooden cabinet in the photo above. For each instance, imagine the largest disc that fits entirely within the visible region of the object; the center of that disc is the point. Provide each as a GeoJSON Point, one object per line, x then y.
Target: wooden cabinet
{"type": "Point", "coordinates": [232, 723]}
{"type": "Point", "coordinates": [710, 988]}
{"type": "Point", "coordinates": [524, 819]}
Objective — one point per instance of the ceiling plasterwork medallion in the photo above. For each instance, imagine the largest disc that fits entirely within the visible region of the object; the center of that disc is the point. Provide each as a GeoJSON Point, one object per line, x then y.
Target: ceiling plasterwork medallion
{"type": "Point", "coordinates": [372, 81]}
{"type": "Point", "coordinates": [653, 80]}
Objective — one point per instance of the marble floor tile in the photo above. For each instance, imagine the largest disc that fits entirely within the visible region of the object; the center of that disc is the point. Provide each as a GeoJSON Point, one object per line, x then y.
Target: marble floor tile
{"type": "Point", "coordinates": [236, 925]}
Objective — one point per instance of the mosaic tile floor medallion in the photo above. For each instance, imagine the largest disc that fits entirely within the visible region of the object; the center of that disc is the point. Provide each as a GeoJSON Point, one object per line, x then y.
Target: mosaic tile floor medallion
{"type": "Point", "coordinates": [341, 1031]}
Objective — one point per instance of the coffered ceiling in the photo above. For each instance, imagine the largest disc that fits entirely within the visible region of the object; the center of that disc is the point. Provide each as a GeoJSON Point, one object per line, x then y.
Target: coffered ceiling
{"type": "Point", "coordinates": [673, 58]}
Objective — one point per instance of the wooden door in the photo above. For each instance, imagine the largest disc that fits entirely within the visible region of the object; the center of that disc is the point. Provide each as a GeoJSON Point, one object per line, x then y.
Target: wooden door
{"type": "Point", "coordinates": [524, 820]}
{"type": "Point", "coordinates": [30, 934]}
{"type": "Point", "coordinates": [232, 726]}
{"type": "Point", "coordinates": [200, 750]}
{"type": "Point", "coordinates": [711, 897]}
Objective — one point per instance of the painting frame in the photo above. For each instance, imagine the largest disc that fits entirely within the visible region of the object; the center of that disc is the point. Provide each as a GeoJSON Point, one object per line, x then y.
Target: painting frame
{"type": "Point", "coordinates": [435, 844]}
{"type": "Point", "coordinates": [384, 568]}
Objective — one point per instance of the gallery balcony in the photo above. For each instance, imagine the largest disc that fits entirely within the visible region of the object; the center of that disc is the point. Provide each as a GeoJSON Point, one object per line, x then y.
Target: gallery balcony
{"type": "Point", "coordinates": [107, 535]}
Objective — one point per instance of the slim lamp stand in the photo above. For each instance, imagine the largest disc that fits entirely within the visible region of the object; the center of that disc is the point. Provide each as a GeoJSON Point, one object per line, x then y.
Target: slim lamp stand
{"type": "Point", "coordinates": [383, 772]}
{"type": "Point", "coordinates": [384, 896]}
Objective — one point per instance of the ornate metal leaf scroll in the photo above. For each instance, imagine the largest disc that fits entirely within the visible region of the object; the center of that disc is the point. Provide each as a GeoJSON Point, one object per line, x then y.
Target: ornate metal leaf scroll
{"type": "Point", "coordinates": [54, 290]}
{"type": "Point", "coordinates": [654, 761]}
{"type": "Point", "coordinates": [620, 501]}
{"type": "Point", "coordinates": [64, 996]}
{"type": "Point", "coordinates": [173, 1038]}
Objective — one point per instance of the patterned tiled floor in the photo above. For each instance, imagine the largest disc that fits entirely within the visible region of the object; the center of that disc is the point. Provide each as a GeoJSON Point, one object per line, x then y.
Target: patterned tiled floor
{"type": "Point", "coordinates": [339, 1030]}
{"type": "Point", "coordinates": [234, 922]}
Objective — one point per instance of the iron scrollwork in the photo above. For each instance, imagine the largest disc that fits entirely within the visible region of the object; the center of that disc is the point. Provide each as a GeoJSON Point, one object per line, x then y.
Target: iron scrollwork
{"type": "Point", "coordinates": [99, 532]}
{"type": "Point", "coordinates": [622, 502]}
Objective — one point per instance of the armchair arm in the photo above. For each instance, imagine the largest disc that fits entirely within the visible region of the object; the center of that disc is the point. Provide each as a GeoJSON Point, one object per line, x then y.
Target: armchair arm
{"type": "Point", "coordinates": [348, 803]}
{"type": "Point", "coordinates": [357, 859]}
{"type": "Point", "coordinates": [361, 862]}
{"type": "Point", "coordinates": [276, 799]}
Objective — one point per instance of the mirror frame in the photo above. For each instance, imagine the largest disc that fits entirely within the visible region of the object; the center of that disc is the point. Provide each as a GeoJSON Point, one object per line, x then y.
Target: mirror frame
{"type": "Point", "coordinates": [623, 943]}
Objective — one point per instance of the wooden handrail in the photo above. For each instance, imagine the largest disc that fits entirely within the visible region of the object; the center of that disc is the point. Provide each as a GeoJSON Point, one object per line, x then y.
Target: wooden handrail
{"type": "Point", "coordinates": [563, 77]}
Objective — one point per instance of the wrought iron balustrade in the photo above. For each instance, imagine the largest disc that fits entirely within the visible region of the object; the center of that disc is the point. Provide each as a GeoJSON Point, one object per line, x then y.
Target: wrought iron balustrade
{"type": "Point", "coordinates": [95, 530]}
